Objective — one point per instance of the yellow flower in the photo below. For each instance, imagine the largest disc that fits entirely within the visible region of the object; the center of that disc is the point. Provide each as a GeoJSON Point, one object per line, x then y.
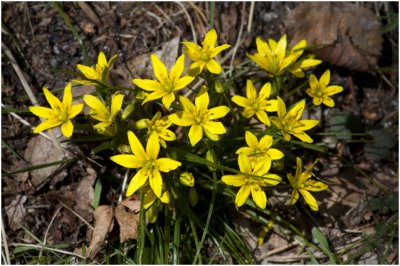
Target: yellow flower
{"type": "Point", "coordinates": [302, 183]}
{"type": "Point", "coordinates": [100, 112]}
{"type": "Point", "coordinates": [98, 74]}
{"type": "Point", "coordinates": [60, 113]}
{"type": "Point", "coordinates": [150, 166]}
{"type": "Point", "coordinates": [167, 83]}
{"type": "Point", "coordinates": [251, 181]}
{"type": "Point", "coordinates": [257, 104]}
{"type": "Point", "coordinates": [276, 60]}
{"type": "Point", "coordinates": [260, 151]}
{"type": "Point", "coordinates": [320, 91]}
{"type": "Point", "coordinates": [290, 123]}
{"type": "Point", "coordinates": [199, 117]}
{"type": "Point", "coordinates": [204, 56]}
{"type": "Point", "coordinates": [158, 125]}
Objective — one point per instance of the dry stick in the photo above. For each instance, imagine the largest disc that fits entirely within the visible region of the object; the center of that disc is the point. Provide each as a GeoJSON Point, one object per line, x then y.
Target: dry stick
{"type": "Point", "coordinates": [31, 96]}
{"type": "Point", "coordinates": [278, 250]}
{"type": "Point", "coordinates": [4, 237]}
{"type": "Point", "coordinates": [237, 40]}
{"type": "Point", "coordinates": [251, 14]}
{"type": "Point", "coordinates": [51, 249]}
{"type": "Point", "coordinates": [123, 185]}
{"type": "Point", "coordinates": [190, 21]}
{"type": "Point", "coordinates": [80, 217]}
{"type": "Point", "coordinates": [47, 231]}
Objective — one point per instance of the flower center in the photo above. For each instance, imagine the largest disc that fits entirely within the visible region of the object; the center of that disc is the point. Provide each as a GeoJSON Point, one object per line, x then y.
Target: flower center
{"type": "Point", "coordinates": [201, 116]}
{"type": "Point", "coordinates": [319, 93]}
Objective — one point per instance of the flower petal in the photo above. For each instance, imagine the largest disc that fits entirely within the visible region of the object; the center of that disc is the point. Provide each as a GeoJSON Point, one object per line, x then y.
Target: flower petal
{"type": "Point", "coordinates": [213, 66]}
{"type": "Point", "coordinates": [310, 200]}
{"type": "Point", "coordinates": [195, 134]}
{"type": "Point", "coordinates": [218, 112]}
{"type": "Point", "coordinates": [210, 39]}
{"type": "Point", "coordinates": [328, 101]}
{"type": "Point", "coordinates": [263, 117]}
{"type": "Point", "coordinates": [67, 128]}
{"type": "Point", "coordinates": [187, 105]}
{"type": "Point", "coordinates": [241, 101]}
{"type": "Point", "coordinates": [192, 50]}
{"type": "Point", "coordinates": [244, 163]}
{"type": "Point", "coordinates": [167, 164]}
{"type": "Point", "coordinates": [281, 108]}
{"type": "Point", "coordinates": [67, 100]}
{"type": "Point", "coordinates": [325, 78]}
{"type": "Point", "coordinates": [297, 110]}
{"type": "Point", "coordinates": [234, 180]}
{"type": "Point", "coordinates": [168, 99]}
{"type": "Point", "coordinates": [313, 185]}
{"type": "Point", "coordinates": [154, 96]}
{"type": "Point", "coordinates": [177, 69]}
{"type": "Point", "coordinates": [183, 82]}
{"type": "Point", "coordinates": [265, 91]}
{"type": "Point", "coordinates": [75, 110]}
{"type": "Point", "coordinates": [50, 123]}
{"type": "Point", "coordinates": [136, 146]}
{"type": "Point", "coordinates": [251, 140]}
{"type": "Point", "coordinates": [242, 195]}
{"type": "Point", "coordinates": [202, 100]}
{"type": "Point", "coordinates": [181, 119]}
{"type": "Point", "coordinates": [251, 92]}
{"type": "Point", "coordinates": [148, 84]}
{"type": "Point", "coordinates": [275, 154]}
{"type": "Point", "coordinates": [116, 104]}
{"type": "Point", "coordinates": [159, 69]}
{"type": "Point", "coordinates": [216, 128]}
{"type": "Point", "coordinates": [294, 197]}
{"type": "Point", "coordinates": [51, 99]}
{"type": "Point", "coordinates": [218, 50]}
{"type": "Point", "coordinates": [137, 182]}
{"type": "Point", "coordinates": [99, 111]}
{"type": "Point", "coordinates": [331, 90]}
{"type": "Point", "coordinates": [153, 146]}
{"type": "Point", "coordinates": [259, 196]}
{"type": "Point", "coordinates": [314, 83]}
{"type": "Point", "coordinates": [128, 160]}
{"type": "Point", "coordinates": [156, 182]}
{"type": "Point", "coordinates": [43, 112]}
{"type": "Point", "coordinates": [88, 72]}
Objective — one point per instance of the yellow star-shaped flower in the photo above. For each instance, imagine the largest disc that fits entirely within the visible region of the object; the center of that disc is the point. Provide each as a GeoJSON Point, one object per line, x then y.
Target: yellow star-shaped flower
{"type": "Point", "coordinates": [290, 124]}
{"type": "Point", "coordinates": [302, 184]}
{"type": "Point", "coordinates": [320, 91]}
{"type": "Point", "coordinates": [257, 104]}
{"type": "Point", "coordinates": [60, 113]}
{"type": "Point", "coordinates": [200, 118]}
{"type": "Point", "coordinates": [204, 56]}
{"type": "Point", "coordinates": [167, 83]}
{"type": "Point", "coordinates": [251, 181]}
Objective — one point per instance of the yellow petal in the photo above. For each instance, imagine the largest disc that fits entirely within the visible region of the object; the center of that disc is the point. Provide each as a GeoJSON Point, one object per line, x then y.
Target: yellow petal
{"type": "Point", "coordinates": [242, 195]}
{"type": "Point", "coordinates": [187, 105]}
{"type": "Point", "coordinates": [168, 99]}
{"type": "Point", "coordinates": [218, 112]}
{"type": "Point", "coordinates": [281, 47]}
{"type": "Point", "coordinates": [67, 128]}
{"type": "Point", "coordinates": [88, 72]}
{"type": "Point", "coordinates": [137, 182]}
{"type": "Point", "coordinates": [263, 117]}
{"type": "Point", "coordinates": [213, 66]}
{"type": "Point", "coordinates": [183, 82]}
{"type": "Point", "coordinates": [116, 104]}
{"type": "Point", "coordinates": [309, 199]}
{"type": "Point", "coordinates": [317, 101]}
{"type": "Point", "coordinates": [99, 111]}
{"type": "Point", "coordinates": [101, 59]}
{"type": "Point", "coordinates": [67, 100]}
{"type": "Point", "coordinates": [265, 91]}
{"type": "Point", "coordinates": [271, 180]}
{"type": "Point", "coordinates": [218, 50]}
{"type": "Point", "coordinates": [251, 92]}
{"type": "Point", "coordinates": [128, 160]}
{"type": "Point", "coordinates": [177, 69]}
{"type": "Point", "coordinates": [303, 125]}
{"type": "Point", "coordinates": [314, 83]}
{"type": "Point", "coordinates": [202, 99]}
{"type": "Point", "coordinates": [315, 186]}
{"type": "Point", "coordinates": [180, 119]}
{"type": "Point", "coordinates": [303, 137]}
{"type": "Point", "coordinates": [259, 196]}
{"type": "Point", "coordinates": [148, 199]}
{"type": "Point", "coordinates": [51, 99]}
{"type": "Point", "coordinates": [294, 197]}
{"type": "Point", "coordinates": [153, 146]}
{"type": "Point", "coordinates": [244, 163]}
{"type": "Point", "coordinates": [328, 101]}
{"type": "Point", "coordinates": [325, 78]}
{"type": "Point", "coordinates": [50, 123]}
{"type": "Point", "coordinates": [154, 96]}
{"type": "Point", "coordinates": [331, 90]}
{"type": "Point", "coordinates": [234, 180]}
{"type": "Point", "coordinates": [75, 110]}
{"type": "Point", "coordinates": [210, 39]}
{"type": "Point", "coordinates": [275, 154]}
{"type": "Point", "coordinates": [159, 69]}
{"type": "Point", "coordinates": [216, 128]}
{"type": "Point", "coordinates": [166, 164]}
{"type": "Point", "coordinates": [241, 101]}
{"type": "Point", "coordinates": [43, 112]}
{"type": "Point", "coordinates": [192, 50]}
{"type": "Point", "coordinates": [148, 84]}
{"type": "Point", "coordinates": [136, 146]}
{"type": "Point", "coordinates": [297, 110]}
{"type": "Point", "coordinates": [281, 107]}
{"type": "Point", "coordinates": [156, 182]}
{"type": "Point", "coordinates": [195, 134]}
{"type": "Point", "coordinates": [251, 140]}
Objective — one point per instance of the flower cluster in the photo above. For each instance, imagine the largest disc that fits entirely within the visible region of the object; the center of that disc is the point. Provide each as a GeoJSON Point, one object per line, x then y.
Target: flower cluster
{"type": "Point", "coordinates": [200, 125]}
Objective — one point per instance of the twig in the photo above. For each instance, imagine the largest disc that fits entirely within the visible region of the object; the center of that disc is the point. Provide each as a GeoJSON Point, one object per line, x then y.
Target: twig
{"type": "Point", "coordinates": [278, 250]}
{"type": "Point", "coordinates": [123, 185]}
{"type": "Point", "coordinates": [251, 14]}
{"type": "Point", "coordinates": [237, 40]}
{"type": "Point", "coordinates": [47, 231]}
{"type": "Point", "coordinates": [189, 20]}
{"type": "Point", "coordinates": [80, 217]}
{"type": "Point", "coordinates": [4, 237]}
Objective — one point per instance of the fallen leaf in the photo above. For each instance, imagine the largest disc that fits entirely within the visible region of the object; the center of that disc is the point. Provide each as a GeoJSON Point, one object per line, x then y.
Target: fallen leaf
{"type": "Point", "coordinates": [104, 223]}
{"type": "Point", "coordinates": [41, 151]}
{"type": "Point", "coordinates": [84, 195]}
{"type": "Point", "coordinates": [16, 211]}
{"type": "Point", "coordinates": [127, 215]}
{"type": "Point", "coordinates": [351, 34]}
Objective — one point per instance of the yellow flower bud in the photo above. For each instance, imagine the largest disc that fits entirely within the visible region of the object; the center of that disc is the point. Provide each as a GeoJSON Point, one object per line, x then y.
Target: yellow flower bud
{"type": "Point", "coordinates": [128, 110]}
{"type": "Point", "coordinates": [219, 87]}
{"type": "Point", "coordinates": [210, 156]}
{"type": "Point", "coordinates": [141, 124]}
{"type": "Point", "coordinates": [124, 148]}
{"type": "Point", "coordinates": [187, 179]}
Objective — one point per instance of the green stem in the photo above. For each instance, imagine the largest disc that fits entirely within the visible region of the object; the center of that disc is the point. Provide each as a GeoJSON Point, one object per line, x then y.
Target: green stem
{"type": "Point", "coordinates": [176, 241]}
{"type": "Point", "coordinates": [212, 13]}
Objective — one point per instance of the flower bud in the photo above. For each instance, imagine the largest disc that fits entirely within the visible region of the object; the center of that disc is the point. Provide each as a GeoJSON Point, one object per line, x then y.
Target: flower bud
{"type": "Point", "coordinates": [219, 87]}
{"type": "Point", "coordinates": [128, 110]}
{"type": "Point", "coordinates": [193, 197]}
{"type": "Point", "coordinates": [211, 157]}
{"type": "Point", "coordinates": [141, 124]}
{"type": "Point", "coordinates": [187, 179]}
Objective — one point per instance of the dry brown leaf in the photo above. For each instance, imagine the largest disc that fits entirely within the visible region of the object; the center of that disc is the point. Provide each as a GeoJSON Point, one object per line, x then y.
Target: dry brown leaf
{"type": "Point", "coordinates": [352, 34]}
{"type": "Point", "coordinates": [127, 215]}
{"type": "Point", "coordinates": [40, 151]}
{"type": "Point", "coordinates": [103, 224]}
{"type": "Point", "coordinates": [84, 195]}
{"type": "Point", "coordinates": [16, 211]}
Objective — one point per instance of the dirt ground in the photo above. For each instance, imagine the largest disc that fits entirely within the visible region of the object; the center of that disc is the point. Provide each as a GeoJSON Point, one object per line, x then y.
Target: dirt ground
{"type": "Point", "coordinates": [46, 51]}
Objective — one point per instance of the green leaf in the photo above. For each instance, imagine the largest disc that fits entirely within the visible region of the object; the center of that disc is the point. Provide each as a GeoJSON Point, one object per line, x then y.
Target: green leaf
{"type": "Point", "coordinates": [97, 193]}
{"type": "Point", "coordinates": [383, 141]}
{"type": "Point", "coordinates": [344, 123]}
{"type": "Point", "coordinates": [322, 242]}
